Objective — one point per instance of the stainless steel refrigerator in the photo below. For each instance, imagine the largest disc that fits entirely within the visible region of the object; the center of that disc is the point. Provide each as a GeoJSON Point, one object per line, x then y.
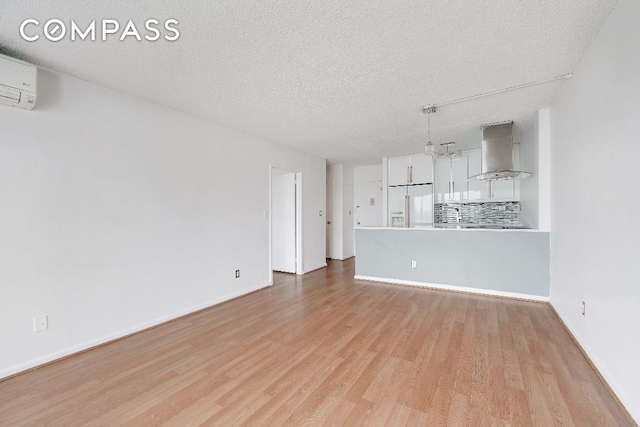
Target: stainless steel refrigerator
{"type": "Point", "coordinates": [411, 205]}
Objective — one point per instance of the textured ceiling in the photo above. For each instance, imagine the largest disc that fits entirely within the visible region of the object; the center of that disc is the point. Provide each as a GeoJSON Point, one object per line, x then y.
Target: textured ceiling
{"type": "Point", "coordinates": [342, 80]}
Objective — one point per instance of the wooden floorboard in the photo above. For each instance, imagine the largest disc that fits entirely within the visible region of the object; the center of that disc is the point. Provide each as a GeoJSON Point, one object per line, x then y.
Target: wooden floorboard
{"type": "Point", "coordinates": [325, 349]}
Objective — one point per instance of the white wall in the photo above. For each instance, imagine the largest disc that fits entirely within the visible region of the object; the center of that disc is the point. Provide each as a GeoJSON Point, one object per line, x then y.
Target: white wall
{"type": "Point", "coordinates": [535, 191]}
{"type": "Point", "coordinates": [595, 233]}
{"type": "Point", "coordinates": [544, 170]}
{"type": "Point", "coordinates": [118, 214]}
{"type": "Point", "coordinates": [529, 186]}
{"type": "Point", "coordinates": [368, 173]}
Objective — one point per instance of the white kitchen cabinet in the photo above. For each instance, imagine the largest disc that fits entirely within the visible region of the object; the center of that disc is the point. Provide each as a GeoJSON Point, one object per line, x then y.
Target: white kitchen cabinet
{"type": "Point", "coordinates": [504, 189]}
{"type": "Point", "coordinates": [477, 188]}
{"type": "Point", "coordinates": [398, 170]}
{"type": "Point", "coordinates": [415, 169]}
{"type": "Point", "coordinates": [419, 169]}
{"type": "Point", "coordinates": [422, 169]}
{"type": "Point", "coordinates": [446, 169]}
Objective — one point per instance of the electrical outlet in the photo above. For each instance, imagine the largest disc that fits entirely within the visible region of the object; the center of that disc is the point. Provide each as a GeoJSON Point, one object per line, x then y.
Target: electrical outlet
{"type": "Point", "coordinates": [40, 323]}
{"type": "Point", "coordinates": [237, 274]}
{"type": "Point", "coordinates": [583, 307]}
{"type": "Point", "coordinates": [414, 264]}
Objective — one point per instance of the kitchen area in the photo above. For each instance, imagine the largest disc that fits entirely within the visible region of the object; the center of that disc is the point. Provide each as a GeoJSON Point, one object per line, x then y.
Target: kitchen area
{"type": "Point", "coordinates": [473, 220]}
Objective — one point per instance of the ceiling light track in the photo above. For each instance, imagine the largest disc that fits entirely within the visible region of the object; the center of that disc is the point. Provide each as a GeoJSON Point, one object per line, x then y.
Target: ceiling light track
{"type": "Point", "coordinates": [431, 108]}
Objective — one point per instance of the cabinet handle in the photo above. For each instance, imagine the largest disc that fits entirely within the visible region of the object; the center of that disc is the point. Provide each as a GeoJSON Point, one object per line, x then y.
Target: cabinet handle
{"type": "Point", "coordinates": [407, 211]}
{"type": "Point", "coordinates": [489, 186]}
{"type": "Point", "coordinates": [408, 174]}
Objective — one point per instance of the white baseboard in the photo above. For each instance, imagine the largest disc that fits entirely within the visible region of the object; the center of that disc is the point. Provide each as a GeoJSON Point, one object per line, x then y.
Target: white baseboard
{"type": "Point", "coordinates": [15, 369]}
{"type": "Point", "coordinates": [631, 406]}
{"type": "Point", "coordinates": [465, 289]}
{"type": "Point", "coordinates": [309, 270]}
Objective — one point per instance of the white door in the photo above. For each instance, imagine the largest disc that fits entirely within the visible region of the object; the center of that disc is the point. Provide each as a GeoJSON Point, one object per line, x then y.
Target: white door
{"type": "Point", "coordinates": [368, 200]}
{"type": "Point", "coordinates": [283, 222]}
{"type": "Point", "coordinates": [328, 214]}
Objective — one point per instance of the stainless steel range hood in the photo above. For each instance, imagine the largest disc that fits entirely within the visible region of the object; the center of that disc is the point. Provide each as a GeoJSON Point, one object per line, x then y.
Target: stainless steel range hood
{"type": "Point", "coordinates": [497, 153]}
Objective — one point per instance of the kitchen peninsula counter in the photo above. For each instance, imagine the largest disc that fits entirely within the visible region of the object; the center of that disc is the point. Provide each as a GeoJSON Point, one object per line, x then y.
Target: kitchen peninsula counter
{"type": "Point", "coordinates": [468, 228]}
{"type": "Point", "coordinates": [504, 262]}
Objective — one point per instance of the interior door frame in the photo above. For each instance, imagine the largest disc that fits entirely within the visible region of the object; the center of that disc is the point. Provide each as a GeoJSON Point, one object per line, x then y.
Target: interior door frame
{"type": "Point", "coordinates": [299, 233]}
{"type": "Point", "coordinates": [328, 213]}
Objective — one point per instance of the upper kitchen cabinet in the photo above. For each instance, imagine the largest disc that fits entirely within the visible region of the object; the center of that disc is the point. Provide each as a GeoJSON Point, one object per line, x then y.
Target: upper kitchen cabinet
{"type": "Point", "coordinates": [415, 169]}
{"type": "Point", "coordinates": [502, 190]}
{"type": "Point", "coordinates": [421, 169]}
{"type": "Point", "coordinates": [451, 171]}
{"type": "Point", "coordinates": [398, 170]}
{"type": "Point", "coordinates": [477, 188]}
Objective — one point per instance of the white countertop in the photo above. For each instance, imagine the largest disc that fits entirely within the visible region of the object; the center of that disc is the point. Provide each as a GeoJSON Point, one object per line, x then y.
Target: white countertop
{"type": "Point", "coordinates": [520, 230]}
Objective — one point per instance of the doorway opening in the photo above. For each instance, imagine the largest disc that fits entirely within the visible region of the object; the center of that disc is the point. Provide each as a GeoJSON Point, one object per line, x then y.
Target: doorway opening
{"type": "Point", "coordinates": [286, 222]}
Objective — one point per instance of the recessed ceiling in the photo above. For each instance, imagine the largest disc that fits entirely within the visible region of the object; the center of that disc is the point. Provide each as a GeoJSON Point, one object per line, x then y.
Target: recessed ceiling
{"type": "Point", "coordinates": [342, 80]}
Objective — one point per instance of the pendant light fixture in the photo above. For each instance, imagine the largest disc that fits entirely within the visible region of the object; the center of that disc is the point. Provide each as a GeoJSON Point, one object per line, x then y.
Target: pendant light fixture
{"type": "Point", "coordinates": [451, 154]}
{"type": "Point", "coordinates": [429, 148]}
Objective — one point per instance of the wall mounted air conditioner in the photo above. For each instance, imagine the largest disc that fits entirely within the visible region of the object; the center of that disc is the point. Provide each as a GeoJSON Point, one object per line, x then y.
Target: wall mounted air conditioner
{"type": "Point", "coordinates": [17, 83]}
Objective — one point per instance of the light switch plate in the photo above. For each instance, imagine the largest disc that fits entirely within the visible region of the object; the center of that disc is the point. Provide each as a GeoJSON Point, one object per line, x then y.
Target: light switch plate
{"type": "Point", "coordinates": [40, 323]}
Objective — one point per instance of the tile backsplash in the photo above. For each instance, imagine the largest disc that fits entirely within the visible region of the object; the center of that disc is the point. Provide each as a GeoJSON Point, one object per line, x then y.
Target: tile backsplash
{"type": "Point", "coordinates": [478, 213]}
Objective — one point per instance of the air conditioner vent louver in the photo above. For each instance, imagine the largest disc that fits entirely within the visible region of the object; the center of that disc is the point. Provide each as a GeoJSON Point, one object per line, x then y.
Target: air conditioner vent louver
{"type": "Point", "coordinates": [9, 93]}
{"type": "Point", "coordinates": [17, 83]}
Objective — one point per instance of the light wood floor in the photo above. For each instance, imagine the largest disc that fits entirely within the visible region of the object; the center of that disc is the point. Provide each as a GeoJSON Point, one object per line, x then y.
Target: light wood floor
{"type": "Point", "coordinates": [324, 349]}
